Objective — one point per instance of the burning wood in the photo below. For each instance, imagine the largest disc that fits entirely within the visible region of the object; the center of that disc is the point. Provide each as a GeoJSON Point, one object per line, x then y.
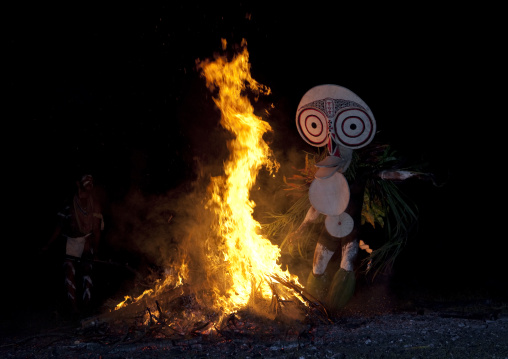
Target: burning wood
{"type": "Point", "coordinates": [244, 280]}
{"type": "Point", "coordinates": [243, 277]}
{"type": "Point", "coordinates": [177, 315]}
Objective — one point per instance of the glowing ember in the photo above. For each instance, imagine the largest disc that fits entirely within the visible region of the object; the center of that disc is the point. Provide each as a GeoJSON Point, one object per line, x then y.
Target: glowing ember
{"type": "Point", "coordinates": [247, 256]}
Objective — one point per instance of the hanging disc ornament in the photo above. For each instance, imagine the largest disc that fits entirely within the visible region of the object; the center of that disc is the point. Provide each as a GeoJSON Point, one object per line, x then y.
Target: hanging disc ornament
{"type": "Point", "coordinates": [329, 195]}
{"type": "Point", "coordinates": [329, 161]}
{"type": "Point", "coordinates": [325, 172]}
{"type": "Point", "coordinates": [339, 226]}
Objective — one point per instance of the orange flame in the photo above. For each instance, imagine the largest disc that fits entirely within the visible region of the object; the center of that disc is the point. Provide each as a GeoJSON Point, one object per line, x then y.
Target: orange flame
{"type": "Point", "coordinates": [241, 264]}
{"type": "Point", "coordinates": [248, 257]}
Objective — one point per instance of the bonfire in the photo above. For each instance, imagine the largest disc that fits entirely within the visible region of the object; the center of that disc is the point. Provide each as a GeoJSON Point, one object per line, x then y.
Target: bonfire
{"type": "Point", "coordinates": [243, 273]}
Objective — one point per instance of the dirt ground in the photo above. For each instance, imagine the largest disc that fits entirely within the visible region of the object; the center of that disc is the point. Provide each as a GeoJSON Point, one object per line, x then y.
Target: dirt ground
{"type": "Point", "coordinates": [377, 323]}
{"type": "Point", "coordinates": [400, 335]}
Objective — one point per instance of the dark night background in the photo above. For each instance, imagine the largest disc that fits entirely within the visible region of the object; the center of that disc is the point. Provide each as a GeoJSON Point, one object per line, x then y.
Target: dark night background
{"type": "Point", "coordinates": [115, 90]}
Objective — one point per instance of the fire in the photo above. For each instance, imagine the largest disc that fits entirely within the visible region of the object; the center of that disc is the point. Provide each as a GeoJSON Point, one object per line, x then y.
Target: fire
{"type": "Point", "coordinates": [170, 281]}
{"type": "Point", "coordinates": [247, 257]}
{"type": "Point", "coordinates": [241, 265]}
{"type": "Point", "coordinates": [129, 299]}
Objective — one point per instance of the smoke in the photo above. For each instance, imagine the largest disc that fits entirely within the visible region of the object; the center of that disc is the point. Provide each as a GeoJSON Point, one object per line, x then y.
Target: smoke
{"type": "Point", "coordinates": [162, 229]}
{"type": "Point", "coordinates": [176, 231]}
{"type": "Point", "coordinates": [167, 230]}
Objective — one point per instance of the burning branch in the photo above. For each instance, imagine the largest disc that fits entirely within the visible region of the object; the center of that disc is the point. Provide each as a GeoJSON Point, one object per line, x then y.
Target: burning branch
{"type": "Point", "coordinates": [236, 257]}
{"type": "Point", "coordinates": [308, 298]}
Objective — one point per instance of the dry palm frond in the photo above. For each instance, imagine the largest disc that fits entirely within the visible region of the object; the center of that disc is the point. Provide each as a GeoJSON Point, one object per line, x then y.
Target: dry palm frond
{"type": "Point", "coordinates": [289, 221]}
{"type": "Point", "coordinates": [401, 216]}
{"type": "Point", "coordinates": [299, 183]}
{"type": "Point", "coordinates": [384, 204]}
{"type": "Point", "coordinates": [285, 225]}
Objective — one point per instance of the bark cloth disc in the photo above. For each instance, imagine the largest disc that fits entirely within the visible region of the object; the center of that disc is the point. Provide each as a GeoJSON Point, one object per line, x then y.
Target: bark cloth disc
{"type": "Point", "coordinates": [339, 226]}
{"type": "Point", "coordinates": [330, 195]}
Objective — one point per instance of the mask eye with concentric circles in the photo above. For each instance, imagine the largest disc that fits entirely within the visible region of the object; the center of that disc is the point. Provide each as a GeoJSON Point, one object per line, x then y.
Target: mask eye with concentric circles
{"type": "Point", "coordinates": [313, 127]}
{"type": "Point", "coordinates": [354, 128]}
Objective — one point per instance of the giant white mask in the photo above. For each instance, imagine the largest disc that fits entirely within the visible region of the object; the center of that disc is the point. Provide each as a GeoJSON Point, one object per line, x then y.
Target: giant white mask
{"type": "Point", "coordinates": [334, 116]}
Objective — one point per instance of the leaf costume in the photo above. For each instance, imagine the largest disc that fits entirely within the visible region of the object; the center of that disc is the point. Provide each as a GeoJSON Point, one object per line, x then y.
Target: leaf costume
{"type": "Point", "coordinates": [350, 185]}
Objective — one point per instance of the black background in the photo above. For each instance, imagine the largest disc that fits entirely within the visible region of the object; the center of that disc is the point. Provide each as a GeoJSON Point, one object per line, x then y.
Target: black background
{"type": "Point", "coordinates": [115, 91]}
